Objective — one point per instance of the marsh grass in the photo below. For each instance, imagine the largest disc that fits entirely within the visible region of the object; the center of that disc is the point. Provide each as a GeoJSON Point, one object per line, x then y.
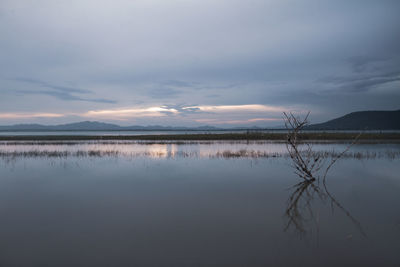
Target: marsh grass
{"type": "Point", "coordinates": [242, 153]}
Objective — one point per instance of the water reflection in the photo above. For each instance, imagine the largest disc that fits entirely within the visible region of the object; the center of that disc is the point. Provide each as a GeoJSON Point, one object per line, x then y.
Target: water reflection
{"type": "Point", "coordinates": [227, 149]}
{"type": "Point", "coordinates": [122, 211]}
{"type": "Point", "coordinates": [300, 212]}
{"type": "Point", "coordinates": [299, 209]}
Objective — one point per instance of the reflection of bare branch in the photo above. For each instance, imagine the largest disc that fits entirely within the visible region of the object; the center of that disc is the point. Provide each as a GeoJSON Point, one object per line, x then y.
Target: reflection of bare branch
{"type": "Point", "coordinates": [339, 156]}
{"type": "Point", "coordinates": [307, 164]}
{"type": "Point", "coordinates": [343, 209]}
{"type": "Point", "coordinates": [299, 208]}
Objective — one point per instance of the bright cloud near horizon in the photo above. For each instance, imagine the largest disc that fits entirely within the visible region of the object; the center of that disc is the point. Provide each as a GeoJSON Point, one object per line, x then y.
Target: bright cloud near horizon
{"type": "Point", "coordinates": [192, 63]}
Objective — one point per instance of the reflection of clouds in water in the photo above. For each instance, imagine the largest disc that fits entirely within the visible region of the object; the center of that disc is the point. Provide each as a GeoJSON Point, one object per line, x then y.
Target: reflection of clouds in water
{"type": "Point", "coordinates": [156, 151]}
{"type": "Point", "coordinates": [160, 150]}
{"type": "Point", "coordinates": [137, 149]}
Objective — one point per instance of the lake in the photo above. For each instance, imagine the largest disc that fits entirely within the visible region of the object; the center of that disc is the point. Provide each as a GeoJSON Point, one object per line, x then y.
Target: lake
{"type": "Point", "coordinates": [132, 203]}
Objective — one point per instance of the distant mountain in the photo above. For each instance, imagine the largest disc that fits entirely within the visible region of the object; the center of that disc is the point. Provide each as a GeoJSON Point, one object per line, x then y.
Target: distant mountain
{"type": "Point", "coordinates": [80, 126]}
{"type": "Point", "coordinates": [362, 120]}
{"type": "Point", "coordinates": [85, 126]}
{"type": "Point", "coordinates": [97, 126]}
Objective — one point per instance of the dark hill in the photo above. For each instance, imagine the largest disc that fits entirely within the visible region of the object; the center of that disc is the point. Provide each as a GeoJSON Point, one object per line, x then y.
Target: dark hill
{"type": "Point", "coordinates": [362, 120]}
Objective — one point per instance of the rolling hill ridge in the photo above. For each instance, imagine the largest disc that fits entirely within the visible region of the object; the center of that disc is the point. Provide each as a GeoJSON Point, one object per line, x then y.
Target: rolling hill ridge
{"type": "Point", "coordinates": [362, 120]}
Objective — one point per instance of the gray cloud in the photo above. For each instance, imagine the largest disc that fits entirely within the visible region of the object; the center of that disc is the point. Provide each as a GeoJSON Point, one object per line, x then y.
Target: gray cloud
{"type": "Point", "coordinates": [361, 84]}
{"type": "Point", "coordinates": [163, 92]}
{"type": "Point", "coordinates": [52, 86]}
{"type": "Point", "coordinates": [177, 83]}
{"type": "Point", "coordinates": [65, 96]}
{"type": "Point", "coordinates": [213, 96]}
{"type": "Point", "coordinates": [310, 55]}
{"type": "Point", "coordinates": [173, 88]}
{"type": "Point", "coordinates": [367, 73]}
{"type": "Point", "coordinates": [360, 63]}
{"type": "Point", "coordinates": [195, 85]}
{"type": "Point", "coordinates": [60, 92]}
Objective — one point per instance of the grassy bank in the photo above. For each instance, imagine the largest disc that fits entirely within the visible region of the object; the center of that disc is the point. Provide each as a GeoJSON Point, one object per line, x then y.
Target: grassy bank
{"type": "Point", "coordinates": [317, 136]}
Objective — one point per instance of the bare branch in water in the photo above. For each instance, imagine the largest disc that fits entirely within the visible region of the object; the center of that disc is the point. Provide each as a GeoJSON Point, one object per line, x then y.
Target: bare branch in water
{"type": "Point", "coordinates": [308, 165]}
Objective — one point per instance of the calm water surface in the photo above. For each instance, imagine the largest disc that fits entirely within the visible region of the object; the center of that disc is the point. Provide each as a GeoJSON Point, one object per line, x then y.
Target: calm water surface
{"type": "Point", "coordinates": [183, 205]}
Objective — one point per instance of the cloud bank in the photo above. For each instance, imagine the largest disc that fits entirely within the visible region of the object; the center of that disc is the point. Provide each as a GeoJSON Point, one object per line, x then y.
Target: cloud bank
{"type": "Point", "coordinates": [192, 60]}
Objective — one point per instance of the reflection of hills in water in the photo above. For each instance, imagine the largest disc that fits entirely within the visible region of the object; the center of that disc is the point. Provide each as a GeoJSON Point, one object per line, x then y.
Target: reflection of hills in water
{"type": "Point", "coordinates": [228, 149]}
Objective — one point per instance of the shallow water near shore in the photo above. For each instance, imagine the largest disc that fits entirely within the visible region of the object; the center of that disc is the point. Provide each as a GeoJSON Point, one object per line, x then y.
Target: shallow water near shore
{"type": "Point", "coordinates": [193, 204]}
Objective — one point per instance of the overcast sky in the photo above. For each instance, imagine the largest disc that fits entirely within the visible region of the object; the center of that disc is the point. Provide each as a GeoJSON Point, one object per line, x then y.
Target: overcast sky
{"type": "Point", "coordinates": [201, 62]}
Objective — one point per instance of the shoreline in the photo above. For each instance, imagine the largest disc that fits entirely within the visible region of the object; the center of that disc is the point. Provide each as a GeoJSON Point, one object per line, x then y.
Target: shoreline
{"type": "Point", "coordinates": [276, 137]}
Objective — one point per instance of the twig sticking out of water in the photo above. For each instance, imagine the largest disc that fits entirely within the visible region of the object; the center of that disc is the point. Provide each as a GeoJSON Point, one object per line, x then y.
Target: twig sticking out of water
{"type": "Point", "coordinates": [308, 164]}
{"type": "Point", "coordinates": [305, 161]}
